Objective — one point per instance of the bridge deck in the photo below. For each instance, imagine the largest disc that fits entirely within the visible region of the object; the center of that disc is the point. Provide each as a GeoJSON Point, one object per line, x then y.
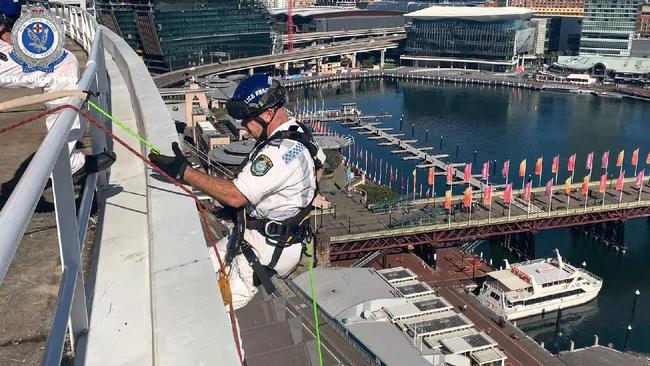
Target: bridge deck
{"type": "Point", "coordinates": [370, 231]}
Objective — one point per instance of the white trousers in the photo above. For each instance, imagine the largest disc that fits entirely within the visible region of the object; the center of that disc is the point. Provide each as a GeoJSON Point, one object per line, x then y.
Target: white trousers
{"type": "Point", "coordinates": [64, 77]}
{"type": "Point", "coordinates": [241, 275]}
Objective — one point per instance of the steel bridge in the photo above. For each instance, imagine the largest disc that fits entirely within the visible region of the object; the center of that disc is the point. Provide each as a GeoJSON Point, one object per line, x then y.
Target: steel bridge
{"type": "Point", "coordinates": [600, 214]}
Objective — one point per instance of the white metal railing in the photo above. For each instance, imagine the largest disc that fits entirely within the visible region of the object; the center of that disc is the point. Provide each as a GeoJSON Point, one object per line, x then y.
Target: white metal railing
{"type": "Point", "coordinates": [578, 209]}
{"type": "Point", "coordinates": [52, 159]}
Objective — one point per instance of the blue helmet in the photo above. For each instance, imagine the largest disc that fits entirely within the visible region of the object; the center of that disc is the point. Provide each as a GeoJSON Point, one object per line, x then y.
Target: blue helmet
{"type": "Point", "coordinates": [254, 95]}
{"type": "Point", "coordinates": [10, 8]}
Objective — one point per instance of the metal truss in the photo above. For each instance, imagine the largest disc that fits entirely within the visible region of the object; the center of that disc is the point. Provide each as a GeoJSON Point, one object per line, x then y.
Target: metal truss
{"type": "Point", "coordinates": [352, 248]}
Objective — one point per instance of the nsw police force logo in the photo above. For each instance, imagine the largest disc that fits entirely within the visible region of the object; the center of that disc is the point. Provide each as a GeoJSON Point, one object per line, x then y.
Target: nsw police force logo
{"type": "Point", "coordinates": [38, 41]}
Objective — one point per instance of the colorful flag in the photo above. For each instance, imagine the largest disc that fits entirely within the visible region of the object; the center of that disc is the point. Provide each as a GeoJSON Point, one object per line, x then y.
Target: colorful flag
{"type": "Point", "coordinates": [487, 198]}
{"type": "Point", "coordinates": [448, 199]}
{"type": "Point", "coordinates": [639, 179]}
{"type": "Point", "coordinates": [527, 190]}
{"type": "Point", "coordinates": [556, 164]}
{"type": "Point", "coordinates": [619, 160]}
{"type": "Point", "coordinates": [619, 181]}
{"type": "Point", "coordinates": [603, 183]}
{"type": "Point", "coordinates": [507, 195]}
{"type": "Point", "coordinates": [415, 185]}
{"type": "Point", "coordinates": [549, 188]}
{"type": "Point", "coordinates": [572, 163]}
{"type": "Point", "coordinates": [505, 169]}
{"type": "Point", "coordinates": [590, 161]}
{"type": "Point", "coordinates": [467, 201]}
{"type": "Point", "coordinates": [585, 185]}
{"type": "Point", "coordinates": [467, 176]}
{"type": "Point", "coordinates": [635, 157]}
{"type": "Point", "coordinates": [567, 186]}
{"type": "Point", "coordinates": [538, 166]}
{"type": "Point", "coordinates": [647, 159]}
{"type": "Point", "coordinates": [430, 181]}
{"type": "Point", "coordinates": [522, 168]}
{"type": "Point", "coordinates": [485, 172]}
{"type": "Point", "coordinates": [605, 160]}
{"type": "Point", "coordinates": [450, 174]}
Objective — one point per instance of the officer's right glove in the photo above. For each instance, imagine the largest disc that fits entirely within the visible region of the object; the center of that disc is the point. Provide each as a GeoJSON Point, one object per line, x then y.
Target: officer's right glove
{"type": "Point", "coordinates": [172, 165]}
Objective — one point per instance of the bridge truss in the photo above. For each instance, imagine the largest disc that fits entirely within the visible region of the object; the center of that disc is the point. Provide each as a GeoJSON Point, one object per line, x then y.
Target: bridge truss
{"type": "Point", "coordinates": [354, 248]}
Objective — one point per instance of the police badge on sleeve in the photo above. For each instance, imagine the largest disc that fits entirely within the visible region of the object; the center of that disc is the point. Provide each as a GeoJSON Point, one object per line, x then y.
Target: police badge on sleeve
{"type": "Point", "coordinates": [38, 40]}
{"type": "Point", "coordinates": [261, 165]}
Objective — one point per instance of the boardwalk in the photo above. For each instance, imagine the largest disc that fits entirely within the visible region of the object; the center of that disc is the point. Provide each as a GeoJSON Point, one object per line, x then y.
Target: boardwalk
{"type": "Point", "coordinates": [359, 230]}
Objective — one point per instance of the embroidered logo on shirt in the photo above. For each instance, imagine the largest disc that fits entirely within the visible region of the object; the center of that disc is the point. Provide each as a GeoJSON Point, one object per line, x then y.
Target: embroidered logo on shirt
{"type": "Point", "coordinates": [293, 153]}
{"type": "Point", "coordinates": [261, 165]}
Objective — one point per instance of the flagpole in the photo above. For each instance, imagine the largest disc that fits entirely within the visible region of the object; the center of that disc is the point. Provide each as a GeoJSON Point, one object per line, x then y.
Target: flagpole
{"type": "Point", "coordinates": [550, 200]}
{"type": "Point", "coordinates": [528, 211]}
{"type": "Point", "coordinates": [568, 199]}
{"type": "Point", "coordinates": [510, 206]}
{"type": "Point", "coordinates": [586, 197]}
{"type": "Point", "coordinates": [540, 178]}
{"type": "Point", "coordinates": [470, 210]}
{"type": "Point", "coordinates": [490, 209]}
{"type": "Point", "coordinates": [640, 190]}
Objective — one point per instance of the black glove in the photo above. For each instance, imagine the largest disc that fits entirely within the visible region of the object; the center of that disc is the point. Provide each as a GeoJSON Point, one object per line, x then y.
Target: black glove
{"type": "Point", "coordinates": [172, 165]}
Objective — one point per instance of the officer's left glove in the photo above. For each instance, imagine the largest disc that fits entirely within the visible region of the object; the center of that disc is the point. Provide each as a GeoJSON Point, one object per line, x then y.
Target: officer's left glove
{"type": "Point", "coordinates": [172, 165]}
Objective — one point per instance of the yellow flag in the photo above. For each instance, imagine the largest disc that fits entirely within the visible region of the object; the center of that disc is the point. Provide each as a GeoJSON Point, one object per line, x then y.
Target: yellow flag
{"type": "Point", "coordinates": [567, 186]}
{"type": "Point", "coordinates": [448, 199]}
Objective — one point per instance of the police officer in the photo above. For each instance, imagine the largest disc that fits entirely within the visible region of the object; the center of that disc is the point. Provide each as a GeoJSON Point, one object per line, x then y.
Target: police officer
{"type": "Point", "coordinates": [276, 187]}
{"type": "Point", "coordinates": [64, 77]}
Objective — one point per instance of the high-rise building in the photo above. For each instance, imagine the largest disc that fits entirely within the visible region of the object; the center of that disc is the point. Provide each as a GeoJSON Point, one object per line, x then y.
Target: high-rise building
{"type": "Point", "coordinates": [174, 34]}
{"type": "Point", "coordinates": [643, 24]}
{"type": "Point", "coordinates": [608, 27]}
{"type": "Point", "coordinates": [552, 7]}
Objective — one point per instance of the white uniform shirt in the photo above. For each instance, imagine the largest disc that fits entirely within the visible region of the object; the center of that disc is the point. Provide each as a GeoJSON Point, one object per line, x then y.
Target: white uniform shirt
{"type": "Point", "coordinates": [280, 180]}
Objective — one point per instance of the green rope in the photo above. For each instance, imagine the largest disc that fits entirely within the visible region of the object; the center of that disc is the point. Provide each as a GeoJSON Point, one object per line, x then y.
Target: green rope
{"type": "Point", "coordinates": [123, 126]}
{"type": "Point", "coordinates": [313, 301]}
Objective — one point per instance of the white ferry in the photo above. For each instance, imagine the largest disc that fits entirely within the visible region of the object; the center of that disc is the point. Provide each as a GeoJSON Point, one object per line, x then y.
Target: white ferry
{"type": "Point", "coordinates": [542, 285]}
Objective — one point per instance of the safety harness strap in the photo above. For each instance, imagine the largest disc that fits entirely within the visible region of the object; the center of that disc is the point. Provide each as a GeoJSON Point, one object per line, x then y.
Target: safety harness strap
{"type": "Point", "coordinates": [260, 271]}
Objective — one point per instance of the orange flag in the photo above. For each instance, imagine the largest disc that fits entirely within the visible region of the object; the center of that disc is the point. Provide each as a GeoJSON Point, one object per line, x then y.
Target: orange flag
{"type": "Point", "coordinates": [567, 186]}
{"type": "Point", "coordinates": [635, 157]}
{"type": "Point", "coordinates": [585, 185]}
{"type": "Point", "coordinates": [468, 197]}
{"type": "Point", "coordinates": [448, 199]}
{"type": "Point", "coordinates": [619, 181]}
{"type": "Point", "coordinates": [487, 198]}
{"type": "Point", "coordinates": [522, 168]}
{"type": "Point", "coordinates": [538, 166]}
{"type": "Point", "coordinates": [647, 159]}
{"type": "Point", "coordinates": [619, 160]}
{"type": "Point", "coordinates": [430, 176]}
{"type": "Point", "coordinates": [450, 174]}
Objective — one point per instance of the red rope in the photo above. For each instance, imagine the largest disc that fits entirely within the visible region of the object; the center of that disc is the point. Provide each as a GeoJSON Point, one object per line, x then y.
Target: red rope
{"type": "Point", "coordinates": [211, 236]}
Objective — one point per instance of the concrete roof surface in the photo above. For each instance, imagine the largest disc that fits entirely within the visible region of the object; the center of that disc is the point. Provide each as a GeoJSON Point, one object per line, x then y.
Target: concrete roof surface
{"type": "Point", "coordinates": [477, 13]}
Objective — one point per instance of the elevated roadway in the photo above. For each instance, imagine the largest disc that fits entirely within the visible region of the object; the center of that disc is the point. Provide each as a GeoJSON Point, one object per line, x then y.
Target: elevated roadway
{"type": "Point", "coordinates": [332, 35]}
{"type": "Point", "coordinates": [304, 54]}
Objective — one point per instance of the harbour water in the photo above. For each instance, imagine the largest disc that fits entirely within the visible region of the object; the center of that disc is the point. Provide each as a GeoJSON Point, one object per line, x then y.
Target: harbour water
{"type": "Point", "coordinates": [502, 123]}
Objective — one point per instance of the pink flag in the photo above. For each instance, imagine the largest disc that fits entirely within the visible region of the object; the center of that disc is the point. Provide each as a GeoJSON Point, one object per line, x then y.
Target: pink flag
{"type": "Point", "coordinates": [619, 181]}
{"type": "Point", "coordinates": [603, 183]}
{"type": "Point", "coordinates": [639, 179]}
{"type": "Point", "coordinates": [487, 198]}
{"type": "Point", "coordinates": [549, 188]}
{"type": "Point", "coordinates": [467, 176]}
{"type": "Point", "coordinates": [590, 161]}
{"type": "Point", "coordinates": [507, 195]}
{"type": "Point", "coordinates": [506, 169]}
{"type": "Point", "coordinates": [556, 164]}
{"type": "Point", "coordinates": [527, 189]}
{"type": "Point", "coordinates": [572, 163]}
{"type": "Point", "coordinates": [605, 160]}
{"type": "Point", "coordinates": [485, 173]}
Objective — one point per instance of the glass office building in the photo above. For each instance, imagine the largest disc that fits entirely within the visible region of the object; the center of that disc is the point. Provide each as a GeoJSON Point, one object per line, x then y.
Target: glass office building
{"type": "Point", "coordinates": [174, 34]}
{"type": "Point", "coordinates": [471, 36]}
{"type": "Point", "coordinates": [608, 27]}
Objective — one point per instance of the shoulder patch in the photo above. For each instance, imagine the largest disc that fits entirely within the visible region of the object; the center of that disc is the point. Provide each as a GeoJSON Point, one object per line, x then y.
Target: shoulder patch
{"type": "Point", "coordinates": [293, 153]}
{"type": "Point", "coordinates": [261, 165]}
